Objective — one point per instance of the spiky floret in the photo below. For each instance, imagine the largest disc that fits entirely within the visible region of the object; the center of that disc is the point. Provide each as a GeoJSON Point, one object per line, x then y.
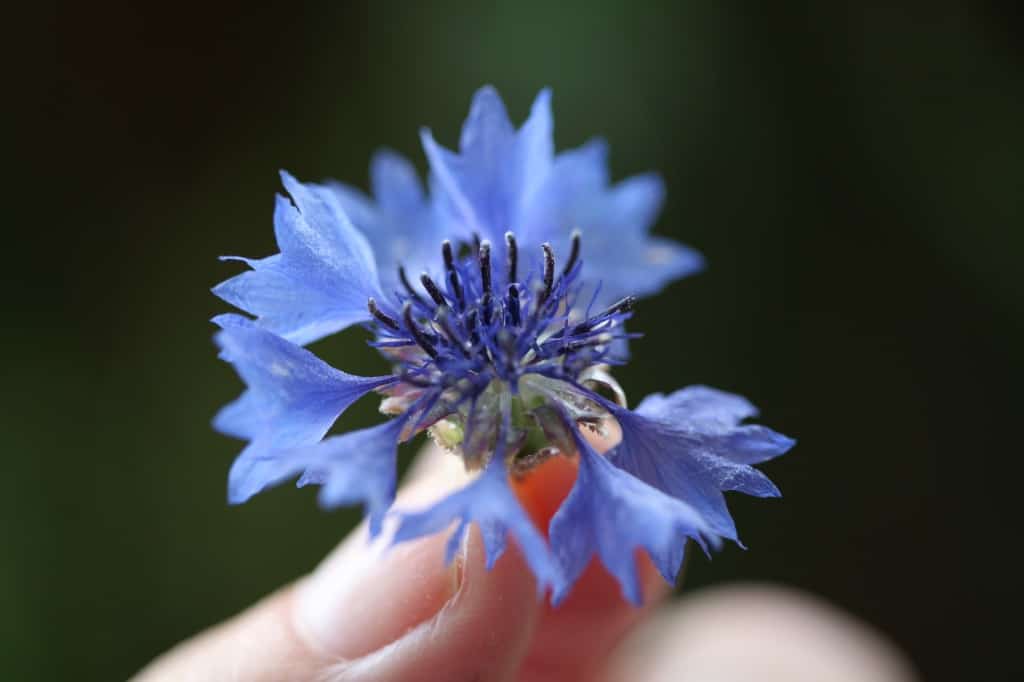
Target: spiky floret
{"type": "Point", "coordinates": [481, 331]}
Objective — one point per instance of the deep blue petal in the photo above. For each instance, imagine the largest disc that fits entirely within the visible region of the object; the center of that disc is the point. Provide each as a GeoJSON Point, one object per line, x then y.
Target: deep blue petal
{"type": "Point", "coordinates": [612, 514]}
{"type": "Point", "coordinates": [489, 502]}
{"type": "Point", "coordinates": [320, 281]}
{"type": "Point", "coordinates": [717, 415]}
{"type": "Point", "coordinates": [690, 445]}
{"type": "Point", "coordinates": [356, 467]}
{"type": "Point", "coordinates": [292, 398]}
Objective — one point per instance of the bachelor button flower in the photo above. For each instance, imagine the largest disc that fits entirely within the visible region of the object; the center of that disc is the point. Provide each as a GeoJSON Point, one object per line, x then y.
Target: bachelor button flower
{"type": "Point", "coordinates": [499, 298]}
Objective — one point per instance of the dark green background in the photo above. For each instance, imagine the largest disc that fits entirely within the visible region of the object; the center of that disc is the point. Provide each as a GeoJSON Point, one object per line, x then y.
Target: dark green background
{"type": "Point", "coordinates": [853, 174]}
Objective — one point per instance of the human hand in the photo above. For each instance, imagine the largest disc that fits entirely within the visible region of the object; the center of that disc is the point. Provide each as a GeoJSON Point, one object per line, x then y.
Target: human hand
{"type": "Point", "coordinates": [398, 614]}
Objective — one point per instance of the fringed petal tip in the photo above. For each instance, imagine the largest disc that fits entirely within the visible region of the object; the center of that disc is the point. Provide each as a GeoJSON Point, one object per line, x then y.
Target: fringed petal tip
{"type": "Point", "coordinates": [489, 502]}
{"type": "Point", "coordinates": [610, 514]}
{"type": "Point", "coordinates": [319, 282]}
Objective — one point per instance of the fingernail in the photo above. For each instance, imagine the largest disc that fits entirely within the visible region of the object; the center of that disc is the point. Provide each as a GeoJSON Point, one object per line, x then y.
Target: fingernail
{"type": "Point", "coordinates": [366, 595]}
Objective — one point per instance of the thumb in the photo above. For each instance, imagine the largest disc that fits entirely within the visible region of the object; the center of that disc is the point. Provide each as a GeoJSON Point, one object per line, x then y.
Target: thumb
{"type": "Point", "coordinates": [373, 613]}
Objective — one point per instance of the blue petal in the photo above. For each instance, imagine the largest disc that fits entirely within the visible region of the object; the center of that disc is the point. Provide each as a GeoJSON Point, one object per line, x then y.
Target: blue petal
{"type": "Point", "coordinates": [292, 398]}
{"type": "Point", "coordinates": [615, 222]}
{"type": "Point", "coordinates": [490, 503]}
{"type": "Point", "coordinates": [261, 465]}
{"type": "Point", "coordinates": [399, 221]}
{"type": "Point", "coordinates": [610, 513]}
{"type": "Point", "coordinates": [535, 151]}
{"type": "Point", "coordinates": [700, 404]}
{"type": "Point", "coordinates": [355, 467]}
{"type": "Point", "coordinates": [395, 182]}
{"type": "Point", "coordinates": [320, 281]}
{"type": "Point", "coordinates": [487, 185]}
{"type": "Point", "coordinates": [690, 445]}
{"type": "Point", "coordinates": [242, 418]}
{"type": "Point", "coordinates": [576, 174]}
{"type": "Point", "coordinates": [718, 412]}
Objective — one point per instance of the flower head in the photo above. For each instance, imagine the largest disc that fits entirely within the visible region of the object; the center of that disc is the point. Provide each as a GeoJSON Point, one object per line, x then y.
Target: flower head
{"type": "Point", "coordinates": [499, 298]}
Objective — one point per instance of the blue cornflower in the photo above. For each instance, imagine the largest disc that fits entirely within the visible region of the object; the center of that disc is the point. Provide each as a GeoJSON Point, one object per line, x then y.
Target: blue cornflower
{"type": "Point", "coordinates": [500, 298]}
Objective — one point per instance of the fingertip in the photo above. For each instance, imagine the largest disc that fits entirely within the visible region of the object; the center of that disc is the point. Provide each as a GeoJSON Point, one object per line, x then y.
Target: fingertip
{"type": "Point", "coordinates": [757, 632]}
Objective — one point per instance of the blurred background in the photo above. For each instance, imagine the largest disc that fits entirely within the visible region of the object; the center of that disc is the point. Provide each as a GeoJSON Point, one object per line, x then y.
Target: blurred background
{"type": "Point", "coordinates": [853, 173]}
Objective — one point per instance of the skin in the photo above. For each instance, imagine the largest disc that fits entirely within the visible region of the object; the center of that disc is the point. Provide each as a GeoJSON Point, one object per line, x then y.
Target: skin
{"type": "Point", "coordinates": [369, 613]}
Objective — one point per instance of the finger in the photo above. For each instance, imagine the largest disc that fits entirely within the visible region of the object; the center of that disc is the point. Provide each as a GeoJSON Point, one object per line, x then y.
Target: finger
{"type": "Point", "coordinates": [573, 639]}
{"type": "Point", "coordinates": [371, 614]}
{"type": "Point", "coordinates": [365, 595]}
{"type": "Point", "coordinates": [260, 644]}
{"type": "Point", "coordinates": [756, 632]}
{"type": "Point", "coordinates": [480, 635]}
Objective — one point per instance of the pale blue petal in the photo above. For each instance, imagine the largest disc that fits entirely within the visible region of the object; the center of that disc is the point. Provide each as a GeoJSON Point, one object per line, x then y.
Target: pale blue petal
{"type": "Point", "coordinates": [487, 131]}
{"type": "Point", "coordinates": [535, 149]}
{"type": "Point", "coordinates": [612, 514]}
{"type": "Point", "coordinates": [399, 221]}
{"type": "Point", "coordinates": [486, 187]}
{"type": "Point", "coordinates": [489, 502]}
{"type": "Point", "coordinates": [356, 467]}
{"type": "Point", "coordinates": [261, 465]}
{"type": "Point", "coordinates": [362, 211]}
{"type": "Point", "coordinates": [241, 418]}
{"type": "Point", "coordinates": [614, 221]}
{"type": "Point", "coordinates": [321, 280]}
{"type": "Point", "coordinates": [455, 205]}
{"type": "Point", "coordinates": [700, 404]}
{"type": "Point", "coordinates": [396, 184]}
{"type": "Point", "coordinates": [557, 206]}
{"type": "Point", "coordinates": [292, 398]}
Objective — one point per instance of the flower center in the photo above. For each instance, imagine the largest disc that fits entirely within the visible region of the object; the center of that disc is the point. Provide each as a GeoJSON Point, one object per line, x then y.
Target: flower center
{"type": "Point", "coordinates": [479, 324]}
{"type": "Point", "coordinates": [474, 335]}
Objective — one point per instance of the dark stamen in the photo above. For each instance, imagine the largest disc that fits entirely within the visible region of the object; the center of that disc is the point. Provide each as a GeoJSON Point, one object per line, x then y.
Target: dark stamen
{"type": "Point", "coordinates": [432, 289]}
{"type": "Point", "coordinates": [444, 320]}
{"type": "Point", "coordinates": [624, 306]}
{"type": "Point", "coordinates": [485, 265]}
{"type": "Point", "coordinates": [513, 256]}
{"type": "Point", "coordinates": [449, 256]}
{"type": "Point", "coordinates": [408, 287]}
{"type": "Point", "coordinates": [573, 346]}
{"type": "Point", "coordinates": [474, 336]}
{"type": "Point", "coordinates": [381, 316]}
{"type": "Point", "coordinates": [574, 253]}
{"type": "Point", "coordinates": [513, 304]}
{"type": "Point", "coordinates": [488, 308]}
{"type": "Point", "coordinates": [549, 273]}
{"type": "Point", "coordinates": [417, 333]}
{"type": "Point", "coordinates": [476, 240]}
{"type": "Point", "coordinates": [453, 276]}
{"type": "Point", "coordinates": [460, 298]}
